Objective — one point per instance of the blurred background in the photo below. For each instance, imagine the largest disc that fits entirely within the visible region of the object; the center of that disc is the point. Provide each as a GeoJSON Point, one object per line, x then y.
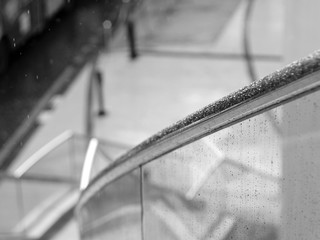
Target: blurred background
{"type": "Point", "coordinates": [86, 79]}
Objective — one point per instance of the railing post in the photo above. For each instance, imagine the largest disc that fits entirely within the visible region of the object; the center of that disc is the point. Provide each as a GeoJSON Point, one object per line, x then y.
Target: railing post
{"type": "Point", "coordinates": [99, 86]}
{"type": "Point", "coordinates": [131, 35]}
{"type": "Point", "coordinates": [95, 79]}
{"type": "Point", "coordinates": [88, 115]}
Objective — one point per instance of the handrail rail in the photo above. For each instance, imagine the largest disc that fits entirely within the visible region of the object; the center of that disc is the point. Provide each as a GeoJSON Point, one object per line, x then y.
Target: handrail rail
{"type": "Point", "coordinates": [45, 150]}
{"type": "Point", "coordinates": [293, 81]}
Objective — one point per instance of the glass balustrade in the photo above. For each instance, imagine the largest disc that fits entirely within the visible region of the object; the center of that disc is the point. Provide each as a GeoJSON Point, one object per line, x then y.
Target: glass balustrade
{"type": "Point", "coordinates": [159, 25]}
{"type": "Point", "coordinates": [100, 162]}
{"type": "Point", "coordinates": [228, 184]}
{"type": "Point", "coordinates": [27, 206]}
{"type": "Point", "coordinates": [63, 162]}
{"type": "Point", "coordinates": [115, 211]}
{"type": "Point", "coordinates": [46, 186]}
{"type": "Point", "coordinates": [224, 186]}
{"type": "Point", "coordinates": [10, 206]}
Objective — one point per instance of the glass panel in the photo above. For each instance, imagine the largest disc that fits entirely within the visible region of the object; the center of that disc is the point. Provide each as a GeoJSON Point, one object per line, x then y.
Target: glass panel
{"type": "Point", "coordinates": [112, 150]}
{"type": "Point", "coordinates": [63, 162]}
{"type": "Point", "coordinates": [247, 181]}
{"type": "Point", "coordinates": [99, 163]}
{"type": "Point", "coordinates": [115, 211]}
{"type": "Point", "coordinates": [27, 205]}
{"type": "Point", "coordinates": [253, 180]}
{"type": "Point", "coordinates": [40, 200]}
{"type": "Point", "coordinates": [162, 23]}
{"type": "Point", "coordinates": [10, 208]}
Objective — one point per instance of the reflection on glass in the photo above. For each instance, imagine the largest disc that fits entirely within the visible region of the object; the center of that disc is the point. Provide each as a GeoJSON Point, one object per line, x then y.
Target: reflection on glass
{"type": "Point", "coordinates": [226, 185]}
{"type": "Point", "coordinates": [300, 157]}
{"type": "Point", "coordinates": [64, 162]}
{"type": "Point", "coordinates": [100, 162]}
{"type": "Point", "coordinates": [39, 200]}
{"type": "Point", "coordinates": [257, 179]}
{"type": "Point", "coordinates": [114, 212]}
{"type": "Point", "coordinates": [28, 206]}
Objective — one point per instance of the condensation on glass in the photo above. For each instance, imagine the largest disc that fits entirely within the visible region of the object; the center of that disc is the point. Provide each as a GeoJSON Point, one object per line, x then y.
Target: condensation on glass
{"type": "Point", "coordinates": [224, 186]}
{"type": "Point", "coordinates": [228, 185]}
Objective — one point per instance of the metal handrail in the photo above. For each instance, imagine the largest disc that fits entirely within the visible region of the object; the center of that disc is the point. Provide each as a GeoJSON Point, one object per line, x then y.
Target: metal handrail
{"type": "Point", "coordinates": [294, 81]}
{"type": "Point", "coordinates": [42, 152]}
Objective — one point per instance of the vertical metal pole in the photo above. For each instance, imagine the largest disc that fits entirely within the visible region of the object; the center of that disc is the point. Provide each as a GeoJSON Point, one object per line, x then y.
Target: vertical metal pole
{"type": "Point", "coordinates": [131, 38]}
{"type": "Point", "coordinates": [99, 85]}
{"type": "Point", "coordinates": [89, 127]}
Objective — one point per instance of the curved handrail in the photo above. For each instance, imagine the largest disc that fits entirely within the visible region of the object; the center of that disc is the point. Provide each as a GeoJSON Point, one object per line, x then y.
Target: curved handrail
{"type": "Point", "coordinates": [295, 80]}
{"type": "Point", "coordinates": [42, 152]}
{"type": "Point", "coordinates": [48, 148]}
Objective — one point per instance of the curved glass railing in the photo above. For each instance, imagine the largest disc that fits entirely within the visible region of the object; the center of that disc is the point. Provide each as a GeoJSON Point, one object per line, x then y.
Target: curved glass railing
{"type": "Point", "coordinates": [216, 174]}
{"type": "Point", "coordinates": [38, 193]}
